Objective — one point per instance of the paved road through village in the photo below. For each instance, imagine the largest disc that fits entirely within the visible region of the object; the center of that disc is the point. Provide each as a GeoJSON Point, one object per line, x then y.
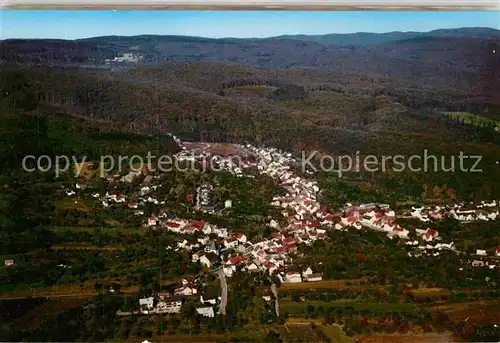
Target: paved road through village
{"type": "Point", "coordinates": [223, 284]}
{"type": "Point", "coordinates": [276, 302]}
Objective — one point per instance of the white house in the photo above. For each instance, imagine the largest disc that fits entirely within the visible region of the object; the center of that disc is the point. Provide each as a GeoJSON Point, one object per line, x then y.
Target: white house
{"type": "Point", "coordinates": [252, 267]}
{"type": "Point", "coordinates": [241, 237]}
{"type": "Point", "coordinates": [477, 263]}
{"type": "Point", "coordinates": [146, 304]}
{"type": "Point", "coordinates": [307, 272]}
{"type": "Point", "coordinates": [211, 301]}
{"type": "Point", "coordinates": [185, 291]}
{"type": "Point", "coordinates": [9, 263]}
{"type": "Point", "coordinates": [209, 259]}
{"type": "Point", "coordinates": [481, 252]}
{"type": "Point", "coordinates": [293, 277]}
{"type": "Point", "coordinates": [228, 270]}
{"type": "Point", "coordinates": [231, 242]}
{"type": "Point", "coordinates": [266, 298]}
{"type": "Point", "coordinates": [169, 306]}
{"type": "Point", "coordinates": [206, 311]}
{"type": "Point", "coordinates": [196, 256]}
{"type": "Point", "coordinates": [152, 221]}
{"type": "Point", "coordinates": [228, 204]}
{"type": "Point", "coordinates": [314, 277]}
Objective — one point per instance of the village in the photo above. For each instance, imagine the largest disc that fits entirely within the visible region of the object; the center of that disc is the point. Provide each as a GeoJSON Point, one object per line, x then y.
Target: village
{"type": "Point", "coordinates": [304, 220]}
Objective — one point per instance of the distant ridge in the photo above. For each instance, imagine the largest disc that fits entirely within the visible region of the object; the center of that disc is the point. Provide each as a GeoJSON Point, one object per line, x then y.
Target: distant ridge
{"type": "Point", "coordinates": [367, 38]}
{"type": "Point", "coordinates": [358, 38]}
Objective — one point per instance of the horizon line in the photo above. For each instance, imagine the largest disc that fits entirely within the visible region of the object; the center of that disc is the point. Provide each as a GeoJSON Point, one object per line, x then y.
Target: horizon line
{"type": "Point", "coordinates": [258, 38]}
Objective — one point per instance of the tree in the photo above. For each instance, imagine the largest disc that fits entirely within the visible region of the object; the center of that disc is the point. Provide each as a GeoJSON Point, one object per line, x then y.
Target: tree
{"type": "Point", "coordinates": [272, 337]}
{"type": "Point", "coordinates": [16, 92]}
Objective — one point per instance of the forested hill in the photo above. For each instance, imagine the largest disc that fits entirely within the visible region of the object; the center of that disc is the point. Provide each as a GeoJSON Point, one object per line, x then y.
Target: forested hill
{"type": "Point", "coordinates": [367, 38]}
{"type": "Point", "coordinates": [460, 59]}
{"type": "Point", "coordinates": [31, 127]}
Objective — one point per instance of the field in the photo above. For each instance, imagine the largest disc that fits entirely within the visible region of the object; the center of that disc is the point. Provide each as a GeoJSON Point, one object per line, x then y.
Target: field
{"type": "Point", "coordinates": [302, 333]}
{"type": "Point", "coordinates": [325, 284]}
{"type": "Point", "coordinates": [472, 119]}
{"type": "Point", "coordinates": [62, 291]}
{"type": "Point", "coordinates": [480, 312]}
{"type": "Point", "coordinates": [300, 308]}
{"type": "Point", "coordinates": [83, 246]}
{"type": "Point", "coordinates": [102, 229]}
{"type": "Point", "coordinates": [407, 338]}
{"type": "Point", "coordinates": [253, 89]}
{"type": "Point", "coordinates": [422, 293]}
{"type": "Point", "coordinates": [47, 311]}
{"type": "Point", "coordinates": [204, 338]}
{"type": "Point", "coordinates": [336, 334]}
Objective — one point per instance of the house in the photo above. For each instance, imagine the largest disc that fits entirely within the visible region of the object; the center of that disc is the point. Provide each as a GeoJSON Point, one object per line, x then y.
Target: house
{"type": "Point", "coordinates": [307, 272]}
{"type": "Point", "coordinates": [186, 291]}
{"type": "Point", "coordinates": [247, 248]}
{"type": "Point", "coordinates": [198, 224]}
{"type": "Point", "coordinates": [196, 256]}
{"type": "Point", "coordinates": [188, 281]}
{"type": "Point", "coordinates": [146, 305]}
{"type": "Point", "coordinates": [293, 277]}
{"type": "Point", "coordinates": [400, 232]}
{"type": "Point", "coordinates": [231, 242]}
{"type": "Point", "coordinates": [130, 176]}
{"type": "Point", "coordinates": [204, 198]}
{"type": "Point", "coordinates": [221, 232]}
{"type": "Point", "coordinates": [211, 248]}
{"type": "Point", "coordinates": [240, 237]}
{"type": "Point", "coordinates": [210, 301]}
{"type": "Point", "coordinates": [169, 306]}
{"type": "Point", "coordinates": [477, 263]}
{"type": "Point", "coordinates": [209, 259]}
{"type": "Point", "coordinates": [497, 253]}
{"type": "Point", "coordinates": [10, 263]}
{"type": "Point", "coordinates": [429, 235]}
{"type": "Point", "coordinates": [267, 294]}
{"type": "Point", "coordinates": [152, 221]}
{"type": "Point", "coordinates": [206, 311]}
{"type": "Point", "coordinates": [163, 296]}
{"type": "Point", "coordinates": [314, 277]}
{"type": "Point", "coordinates": [228, 204]}
{"type": "Point", "coordinates": [481, 252]}
{"type": "Point", "coordinates": [253, 268]}
{"type": "Point", "coordinates": [228, 270]}
{"type": "Point", "coordinates": [271, 267]}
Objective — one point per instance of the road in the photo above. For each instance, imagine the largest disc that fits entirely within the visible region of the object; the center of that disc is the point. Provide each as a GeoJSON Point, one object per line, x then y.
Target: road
{"type": "Point", "coordinates": [223, 296]}
{"type": "Point", "coordinates": [276, 302]}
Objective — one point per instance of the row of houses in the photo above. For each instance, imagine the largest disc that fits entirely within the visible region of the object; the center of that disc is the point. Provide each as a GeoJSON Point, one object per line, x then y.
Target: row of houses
{"type": "Point", "coordinates": [167, 303]}
{"type": "Point", "coordinates": [483, 211]}
{"type": "Point", "coordinates": [304, 220]}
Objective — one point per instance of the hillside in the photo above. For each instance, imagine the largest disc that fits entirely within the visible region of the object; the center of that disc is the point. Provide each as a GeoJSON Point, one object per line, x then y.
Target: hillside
{"type": "Point", "coordinates": [456, 60]}
{"type": "Point", "coordinates": [210, 101]}
{"type": "Point", "coordinates": [318, 192]}
{"type": "Point", "coordinates": [367, 38]}
{"type": "Point", "coordinates": [379, 99]}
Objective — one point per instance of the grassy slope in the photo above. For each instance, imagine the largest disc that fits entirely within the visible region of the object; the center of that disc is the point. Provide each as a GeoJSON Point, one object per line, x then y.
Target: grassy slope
{"type": "Point", "coordinates": [473, 119]}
